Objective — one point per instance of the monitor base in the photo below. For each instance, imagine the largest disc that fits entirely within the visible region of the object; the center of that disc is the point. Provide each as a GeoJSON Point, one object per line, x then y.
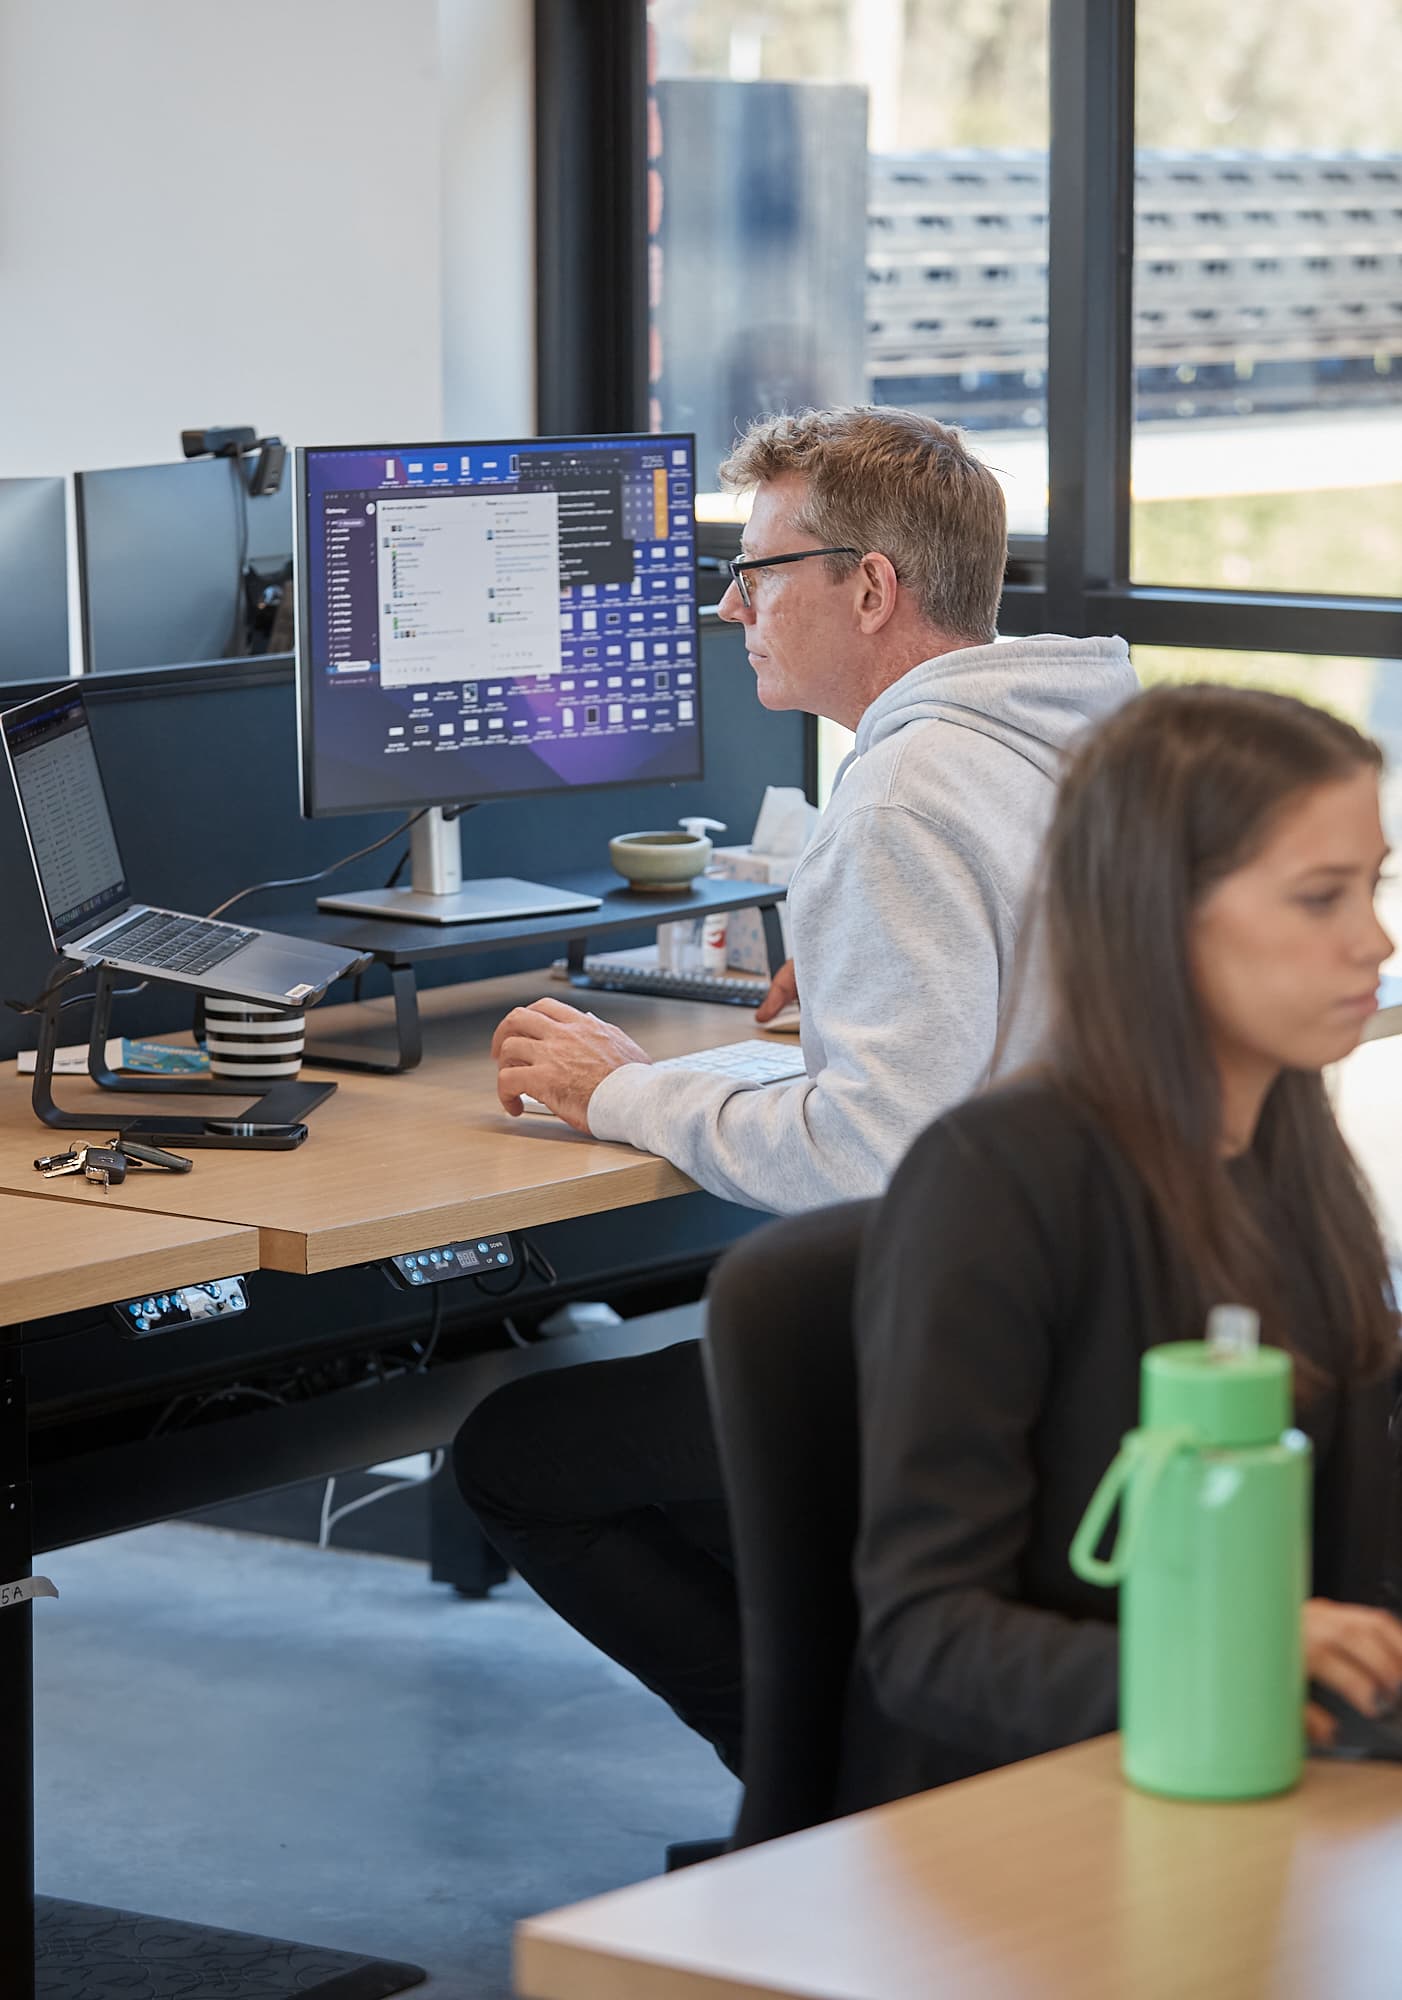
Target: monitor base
{"type": "Point", "coordinates": [494, 899]}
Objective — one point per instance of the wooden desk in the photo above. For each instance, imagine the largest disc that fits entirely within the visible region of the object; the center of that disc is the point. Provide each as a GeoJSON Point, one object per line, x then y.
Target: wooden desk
{"type": "Point", "coordinates": [1051, 1880]}
{"type": "Point", "coordinates": [397, 1163]}
{"type": "Point", "coordinates": [53, 1261]}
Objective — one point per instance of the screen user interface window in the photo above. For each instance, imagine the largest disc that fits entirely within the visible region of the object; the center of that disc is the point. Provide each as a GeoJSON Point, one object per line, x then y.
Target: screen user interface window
{"type": "Point", "coordinates": [63, 803]}
{"type": "Point", "coordinates": [487, 620]}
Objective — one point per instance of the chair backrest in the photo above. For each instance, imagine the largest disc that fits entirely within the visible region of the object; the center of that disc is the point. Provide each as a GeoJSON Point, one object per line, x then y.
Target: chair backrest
{"type": "Point", "coordinates": [779, 1363]}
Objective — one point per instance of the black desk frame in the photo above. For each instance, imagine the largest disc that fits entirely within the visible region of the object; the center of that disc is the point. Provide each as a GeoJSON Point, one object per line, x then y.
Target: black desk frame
{"type": "Point", "coordinates": [126, 1485]}
{"type": "Point", "coordinates": [400, 947]}
{"type": "Point", "coordinates": [375, 1979]}
{"type": "Point", "coordinates": [16, 1676]}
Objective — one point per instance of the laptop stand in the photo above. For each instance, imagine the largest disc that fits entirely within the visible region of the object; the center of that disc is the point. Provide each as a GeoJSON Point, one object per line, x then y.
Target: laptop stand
{"type": "Point", "coordinates": [273, 1122]}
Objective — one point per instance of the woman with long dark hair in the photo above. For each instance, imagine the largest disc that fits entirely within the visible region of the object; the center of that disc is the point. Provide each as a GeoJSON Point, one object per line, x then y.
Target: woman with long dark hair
{"type": "Point", "coordinates": [1210, 944]}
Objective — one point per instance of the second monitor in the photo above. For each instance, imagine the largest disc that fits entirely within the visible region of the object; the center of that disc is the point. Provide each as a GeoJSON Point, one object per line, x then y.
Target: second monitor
{"type": "Point", "coordinates": [169, 558]}
{"type": "Point", "coordinates": [486, 621]}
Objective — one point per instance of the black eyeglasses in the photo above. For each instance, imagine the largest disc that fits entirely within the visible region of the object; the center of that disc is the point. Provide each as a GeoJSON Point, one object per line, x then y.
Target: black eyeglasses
{"type": "Point", "coordinates": [739, 567]}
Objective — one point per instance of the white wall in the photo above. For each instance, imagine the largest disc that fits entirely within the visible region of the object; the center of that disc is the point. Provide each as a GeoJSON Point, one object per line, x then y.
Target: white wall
{"type": "Point", "coordinates": [233, 211]}
{"type": "Point", "coordinates": [488, 219]}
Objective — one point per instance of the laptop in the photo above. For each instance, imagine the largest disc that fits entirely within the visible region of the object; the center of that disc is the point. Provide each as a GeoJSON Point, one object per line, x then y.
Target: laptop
{"type": "Point", "coordinates": [92, 917]}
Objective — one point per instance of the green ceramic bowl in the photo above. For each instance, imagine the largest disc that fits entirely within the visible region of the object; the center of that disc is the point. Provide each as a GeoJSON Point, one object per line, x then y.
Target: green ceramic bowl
{"type": "Point", "coordinates": [664, 861]}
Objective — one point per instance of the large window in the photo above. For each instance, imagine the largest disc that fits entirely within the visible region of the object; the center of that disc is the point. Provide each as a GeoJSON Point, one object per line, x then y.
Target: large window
{"type": "Point", "coordinates": [850, 205]}
{"type": "Point", "coordinates": [1268, 295]}
{"type": "Point", "coordinates": [1185, 353]}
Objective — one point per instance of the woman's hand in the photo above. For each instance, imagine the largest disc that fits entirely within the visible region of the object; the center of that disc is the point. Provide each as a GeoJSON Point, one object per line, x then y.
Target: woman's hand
{"type": "Point", "coordinates": [1355, 1650]}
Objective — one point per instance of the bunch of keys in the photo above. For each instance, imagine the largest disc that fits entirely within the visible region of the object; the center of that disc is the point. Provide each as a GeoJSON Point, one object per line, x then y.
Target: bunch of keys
{"type": "Point", "coordinates": [107, 1165]}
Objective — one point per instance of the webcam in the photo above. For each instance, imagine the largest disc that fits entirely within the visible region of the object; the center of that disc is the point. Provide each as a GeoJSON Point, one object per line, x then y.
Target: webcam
{"type": "Point", "coordinates": [229, 441]}
{"type": "Point", "coordinates": [233, 441]}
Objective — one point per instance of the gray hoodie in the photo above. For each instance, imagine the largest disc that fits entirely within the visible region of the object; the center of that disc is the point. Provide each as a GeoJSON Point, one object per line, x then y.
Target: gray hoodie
{"type": "Point", "coordinates": [903, 914]}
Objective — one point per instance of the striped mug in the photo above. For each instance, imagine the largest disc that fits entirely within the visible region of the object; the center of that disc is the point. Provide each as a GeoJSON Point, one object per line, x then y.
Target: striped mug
{"type": "Point", "coordinates": [248, 1041]}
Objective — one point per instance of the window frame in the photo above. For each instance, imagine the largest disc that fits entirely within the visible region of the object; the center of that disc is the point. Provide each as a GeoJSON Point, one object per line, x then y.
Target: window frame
{"type": "Point", "coordinates": [592, 107]}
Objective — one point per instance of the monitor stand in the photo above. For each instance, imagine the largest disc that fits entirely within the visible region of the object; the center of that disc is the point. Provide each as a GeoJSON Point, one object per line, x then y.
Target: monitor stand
{"type": "Point", "coordinates": [440, 896]}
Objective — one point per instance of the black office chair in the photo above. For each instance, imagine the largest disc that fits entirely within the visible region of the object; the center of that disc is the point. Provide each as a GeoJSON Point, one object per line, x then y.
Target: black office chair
{"type": "Point", "coordinates": [778, 1355]}
{"type": "Point", "coordinates": [781, 1371]}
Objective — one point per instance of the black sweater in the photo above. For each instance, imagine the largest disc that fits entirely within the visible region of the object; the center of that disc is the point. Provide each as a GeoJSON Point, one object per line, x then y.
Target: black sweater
{"type": "Point", "coordinates": [1010, 1282]}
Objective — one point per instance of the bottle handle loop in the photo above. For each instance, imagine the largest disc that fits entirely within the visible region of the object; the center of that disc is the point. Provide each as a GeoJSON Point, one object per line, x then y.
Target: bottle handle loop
{"type": "Point", "coordinates": [1130, 1477]}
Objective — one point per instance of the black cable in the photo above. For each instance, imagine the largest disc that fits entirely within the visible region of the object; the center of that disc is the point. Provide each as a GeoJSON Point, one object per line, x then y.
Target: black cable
{"type": "Point", "coordinates": [538, 1261]}
{"type": "Point", "coordinates": [500, 1291]}
{"type": "Point", "coordinates": [301, 881]}
{"type": "Point", "coordinates": [240, 633]}
{"type": "Point", "coordinates": [435, 1330]}
{"type": "Point", "coordinates": [531, 1260]}
{"type": "Point", "coordinates": [55, 983]}
{"type": "Point", "coordinates": [117, 993]}
{"type": "Point", "coordinates": [201, 1403]}
{"type": "Point", "coordinates": [450, 813]}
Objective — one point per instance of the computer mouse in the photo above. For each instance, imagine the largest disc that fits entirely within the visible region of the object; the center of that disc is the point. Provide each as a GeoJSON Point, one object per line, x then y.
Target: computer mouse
{"type": "Point", "coordinates": [1359, 1735]}
{"type": "Point", "coordinates": [785, 1022]}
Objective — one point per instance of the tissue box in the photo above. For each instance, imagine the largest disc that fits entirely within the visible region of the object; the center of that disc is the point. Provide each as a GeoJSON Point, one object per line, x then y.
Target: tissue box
{"type": "Point", "coordinates": [744, 935]}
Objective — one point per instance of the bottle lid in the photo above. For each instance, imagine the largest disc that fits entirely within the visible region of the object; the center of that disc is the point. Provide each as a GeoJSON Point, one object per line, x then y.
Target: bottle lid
{"type": "Point", "coordinates": [1226, 1394]}
{"type": "Point", "coordinates": [1234, 1329]}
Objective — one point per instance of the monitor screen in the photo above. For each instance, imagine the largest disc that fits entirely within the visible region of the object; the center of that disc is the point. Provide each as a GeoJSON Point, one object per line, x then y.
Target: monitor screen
{"type": "Point", "coordinates": [33, 580]}
{"type": "Point", "coordinates": [63, 804]}
{"type": "Point", "coordinates": [161, 554]}
{"type": "Point", "coordinates": [479, 621]}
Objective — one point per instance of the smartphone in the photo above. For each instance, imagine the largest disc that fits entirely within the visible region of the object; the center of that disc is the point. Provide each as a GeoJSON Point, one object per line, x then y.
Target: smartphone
{"type": "Point", "coordinates": [275, 1137]}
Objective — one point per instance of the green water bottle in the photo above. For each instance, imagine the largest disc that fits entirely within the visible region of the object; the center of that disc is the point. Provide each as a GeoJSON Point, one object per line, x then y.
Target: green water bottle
{"type": "Point", "coordinates": [1212, 1560]}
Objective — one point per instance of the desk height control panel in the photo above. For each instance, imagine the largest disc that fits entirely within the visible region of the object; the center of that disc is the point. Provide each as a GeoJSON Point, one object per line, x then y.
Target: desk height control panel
{"type": "Point", "coordinates": [472, 1258]}
{"type": "Point", "coordinates": [165, 1312]}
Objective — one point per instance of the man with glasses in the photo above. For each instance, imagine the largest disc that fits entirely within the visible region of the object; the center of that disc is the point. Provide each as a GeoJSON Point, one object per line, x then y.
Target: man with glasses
{"type": "Point", "coordinates": [868, 587]}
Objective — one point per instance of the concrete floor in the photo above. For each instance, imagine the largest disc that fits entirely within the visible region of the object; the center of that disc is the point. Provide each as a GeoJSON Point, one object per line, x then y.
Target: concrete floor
{"type": "Point", "coordinates": [324, 1746]}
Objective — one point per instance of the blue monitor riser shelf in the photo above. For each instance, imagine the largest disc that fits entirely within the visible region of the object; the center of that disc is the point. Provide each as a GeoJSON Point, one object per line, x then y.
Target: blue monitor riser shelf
{"type": "Point", "coordinates": [400, 947]}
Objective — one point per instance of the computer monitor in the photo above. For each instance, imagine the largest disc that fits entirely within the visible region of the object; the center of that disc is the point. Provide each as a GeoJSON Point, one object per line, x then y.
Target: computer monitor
{"type": "Point", "coordinates": [489, 621]}
{"type": "Point", "coordinates": [162, 554]}
{"type": "Point", "coordinates": [33, 580]}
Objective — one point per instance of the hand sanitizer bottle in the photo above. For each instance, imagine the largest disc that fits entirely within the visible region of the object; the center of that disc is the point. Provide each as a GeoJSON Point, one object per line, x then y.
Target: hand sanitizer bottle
{"type": "Point", "coordinates": [695, 944]}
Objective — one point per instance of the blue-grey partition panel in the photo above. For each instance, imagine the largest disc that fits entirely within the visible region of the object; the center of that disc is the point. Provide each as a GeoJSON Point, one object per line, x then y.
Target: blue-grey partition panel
{"type": "Point", "coordinates": [160, 560]}
{"type": "Point", "coordinates": [33, 580]}
{"type": "Point", "coordinates": [203, 780]}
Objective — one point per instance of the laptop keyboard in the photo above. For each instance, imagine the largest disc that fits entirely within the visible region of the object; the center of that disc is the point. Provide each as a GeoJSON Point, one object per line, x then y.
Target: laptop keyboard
{"type": "Point", "coordinates": [174, 944]}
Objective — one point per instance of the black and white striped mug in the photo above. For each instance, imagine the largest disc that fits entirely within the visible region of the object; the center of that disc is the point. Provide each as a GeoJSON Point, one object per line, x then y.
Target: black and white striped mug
{"type": "Point", "coordinates": [246, 1040]}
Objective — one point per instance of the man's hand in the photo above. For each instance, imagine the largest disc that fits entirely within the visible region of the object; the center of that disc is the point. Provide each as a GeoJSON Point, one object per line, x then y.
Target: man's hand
{"type": "Point", "coordinates": [1356, 1651]}
{"type": "Point", "coordinates": [783, 992]}
{"type": "Point", "coordinates": [560, 1055]}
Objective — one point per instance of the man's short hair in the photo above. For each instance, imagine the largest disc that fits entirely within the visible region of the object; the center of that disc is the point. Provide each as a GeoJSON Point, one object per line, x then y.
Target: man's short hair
{"type": "Point", "coordinates": [897, 484]}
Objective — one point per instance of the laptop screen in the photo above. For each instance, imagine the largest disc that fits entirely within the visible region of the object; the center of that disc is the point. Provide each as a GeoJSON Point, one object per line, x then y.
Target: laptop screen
{"type": "Point", "coordinates": [64, 808]}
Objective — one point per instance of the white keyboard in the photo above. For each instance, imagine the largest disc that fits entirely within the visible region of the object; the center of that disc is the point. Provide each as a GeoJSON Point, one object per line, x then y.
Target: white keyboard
{"type": "Point", "coordinates": [747, 1062]}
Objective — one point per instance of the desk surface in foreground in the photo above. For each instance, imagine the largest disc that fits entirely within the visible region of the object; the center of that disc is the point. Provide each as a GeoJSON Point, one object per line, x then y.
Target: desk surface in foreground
{"type": "Point", "coordinates": [1050, 1880]}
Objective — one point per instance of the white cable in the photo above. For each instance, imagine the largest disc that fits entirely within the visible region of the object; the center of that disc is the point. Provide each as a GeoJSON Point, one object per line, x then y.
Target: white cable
{"type": "Point", "coordinates": [330, 1518]}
